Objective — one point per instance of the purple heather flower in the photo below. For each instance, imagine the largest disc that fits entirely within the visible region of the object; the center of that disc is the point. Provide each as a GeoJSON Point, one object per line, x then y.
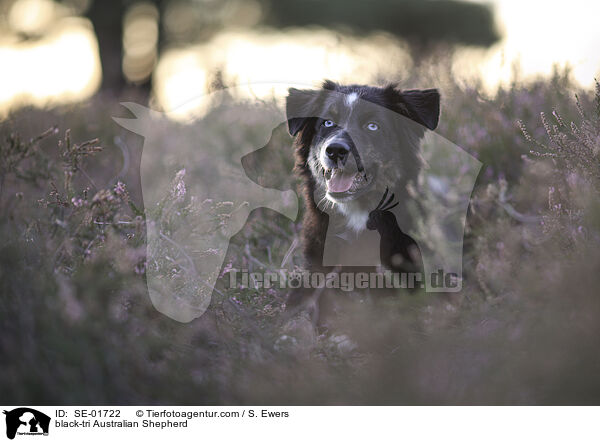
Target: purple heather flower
{"type": "Point", "coordinates": [120, 188]}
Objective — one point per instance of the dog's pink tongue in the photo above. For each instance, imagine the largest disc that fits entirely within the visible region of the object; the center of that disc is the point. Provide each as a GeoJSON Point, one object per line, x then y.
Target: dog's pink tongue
{"type": "Point", "coordinates": [340, 182]}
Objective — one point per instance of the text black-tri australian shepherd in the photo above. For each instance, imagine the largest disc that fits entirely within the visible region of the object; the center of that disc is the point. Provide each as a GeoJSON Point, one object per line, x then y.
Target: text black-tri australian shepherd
{"type": "Point", "coordinates": [357, 154]}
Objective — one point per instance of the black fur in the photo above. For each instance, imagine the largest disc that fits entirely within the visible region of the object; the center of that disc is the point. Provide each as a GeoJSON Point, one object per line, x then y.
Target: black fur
{"type": "Point", "coordinates": [398, 251]}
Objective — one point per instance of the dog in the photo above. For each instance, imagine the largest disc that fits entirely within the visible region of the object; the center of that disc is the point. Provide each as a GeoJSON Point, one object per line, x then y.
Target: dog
{"type": "Point", "coordinates": [347, 155]}
{"type": "Point", "coordinates": [357, 158]}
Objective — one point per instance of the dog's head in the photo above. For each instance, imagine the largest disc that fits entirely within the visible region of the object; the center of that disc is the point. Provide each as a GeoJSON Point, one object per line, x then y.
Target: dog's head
{"type": "Point", "coordinates": [353, 139]}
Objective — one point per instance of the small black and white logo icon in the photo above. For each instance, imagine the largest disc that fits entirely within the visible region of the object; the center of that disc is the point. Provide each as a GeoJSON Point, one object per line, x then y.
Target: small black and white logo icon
{"type": "Point", "coordinates": [26, 421]}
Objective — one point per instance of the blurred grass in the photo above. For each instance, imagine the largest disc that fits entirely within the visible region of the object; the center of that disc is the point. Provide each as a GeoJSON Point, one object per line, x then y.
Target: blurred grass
{"type": "Point", "coordinates": [77, 326]}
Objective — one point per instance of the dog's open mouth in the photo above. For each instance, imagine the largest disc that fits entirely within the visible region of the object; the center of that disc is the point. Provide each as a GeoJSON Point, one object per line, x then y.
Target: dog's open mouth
{"type": "Point", "coordinates": [342, 183]}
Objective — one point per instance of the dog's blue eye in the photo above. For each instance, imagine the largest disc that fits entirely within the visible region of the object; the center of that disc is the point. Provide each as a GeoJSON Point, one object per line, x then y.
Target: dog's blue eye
{"type": "Point", "coordinates": [328, 123]}
{"type": "Point", "coordinates": [373, 126]}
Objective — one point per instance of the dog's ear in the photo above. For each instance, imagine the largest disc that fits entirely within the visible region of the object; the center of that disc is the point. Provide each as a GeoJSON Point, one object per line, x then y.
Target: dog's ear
{"type": "Point", "coordinates": [423, 105]}
{"type": "Point", "coordinates": [329, 85]}
{"type": "Point", "coordinates": [300, 104]}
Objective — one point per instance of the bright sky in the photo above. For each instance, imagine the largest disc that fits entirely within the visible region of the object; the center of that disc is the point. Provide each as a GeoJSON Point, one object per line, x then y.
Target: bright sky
{"type": "Point", "coordinates": [64, 65]}
{"type": "Point", "coordinates": [536, 36]}
{"type": "Point", "coordinates": [541, 33]}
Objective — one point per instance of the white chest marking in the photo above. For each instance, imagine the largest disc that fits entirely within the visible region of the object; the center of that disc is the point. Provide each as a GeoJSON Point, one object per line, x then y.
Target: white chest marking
{"type": "Point", "coordinates": [356, 219]}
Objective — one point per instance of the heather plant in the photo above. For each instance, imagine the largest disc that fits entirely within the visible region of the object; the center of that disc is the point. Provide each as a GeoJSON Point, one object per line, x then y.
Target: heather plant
{"type": "Point", "coordinates": [573, 150]}
{"type": "Point", "coordinates": [77, 324]}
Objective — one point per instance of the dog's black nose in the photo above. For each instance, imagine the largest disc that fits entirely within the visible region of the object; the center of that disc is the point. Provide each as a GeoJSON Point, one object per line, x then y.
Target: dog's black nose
{"type": "Point", "coordinates": [337, 152]}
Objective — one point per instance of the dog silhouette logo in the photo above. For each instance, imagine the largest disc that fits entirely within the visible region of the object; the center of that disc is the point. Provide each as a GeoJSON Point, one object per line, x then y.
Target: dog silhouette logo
{"type": "Point", "coordinates": [201, 182]}
{"type": "Point", "coordinates": [26, 421]}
